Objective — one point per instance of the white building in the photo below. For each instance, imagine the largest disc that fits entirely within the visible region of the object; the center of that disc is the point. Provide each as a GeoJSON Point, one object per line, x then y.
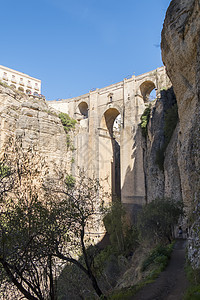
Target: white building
{"type": "Point", "coordinates": [20, 81]}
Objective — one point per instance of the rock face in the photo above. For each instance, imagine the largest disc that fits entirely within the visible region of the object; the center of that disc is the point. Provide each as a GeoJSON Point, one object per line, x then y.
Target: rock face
{"type": "Point", "coordinates": [37, 126]}
{"type": "Point", "coordinates": [181, 55]}
{"type": "Point", "coordinates": [161, 169]}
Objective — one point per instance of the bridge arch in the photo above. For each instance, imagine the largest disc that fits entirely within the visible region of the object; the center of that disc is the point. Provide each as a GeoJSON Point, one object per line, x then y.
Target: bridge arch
{"type": "Point", "coordinates": [82, 110]}
{"type": "Point", "coordinates": [111, 111]}
{"type": "Point", "coordinates": [146, 88]}
{"type": "Point", "coordinates": [109, 150]}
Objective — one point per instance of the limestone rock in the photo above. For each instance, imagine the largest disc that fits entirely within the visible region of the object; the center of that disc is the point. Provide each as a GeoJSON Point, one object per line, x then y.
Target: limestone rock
{"type": "Point", "coordinates": [181, 55]}
{"type": "Point", "coordinates": [162, 179]}
{"type": "Point", "coordinates": [38, 126]}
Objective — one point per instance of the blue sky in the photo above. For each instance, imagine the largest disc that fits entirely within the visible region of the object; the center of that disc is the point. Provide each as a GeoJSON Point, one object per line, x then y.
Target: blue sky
{"type": "Point", "coordinates": [75, 46]}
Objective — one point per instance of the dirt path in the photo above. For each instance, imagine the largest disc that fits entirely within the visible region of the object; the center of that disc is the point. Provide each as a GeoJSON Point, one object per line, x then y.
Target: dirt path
{"type": "Point", "coordinates": [172, 283]}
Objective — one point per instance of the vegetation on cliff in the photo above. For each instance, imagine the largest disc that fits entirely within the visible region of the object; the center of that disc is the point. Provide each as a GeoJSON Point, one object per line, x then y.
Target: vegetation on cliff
{"type": "Point", "coordinates": [68, 125]}
{"type": "Point", "coordinates": [145, 120]}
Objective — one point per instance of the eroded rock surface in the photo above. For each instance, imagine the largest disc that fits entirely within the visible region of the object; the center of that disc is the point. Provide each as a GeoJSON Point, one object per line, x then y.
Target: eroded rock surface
{"type": "Point", "coordinates": [181, 55]}
{"type": "Point", "coordinates": [37, 125]}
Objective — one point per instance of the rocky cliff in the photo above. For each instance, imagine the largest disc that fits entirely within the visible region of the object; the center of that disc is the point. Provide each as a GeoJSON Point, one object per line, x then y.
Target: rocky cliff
{"type": "Point", "coordinates": [181, 56]}
{"type": "Point", "coordinates": [162, 174]}
{"type": "Point", "coordinates": [37, 125]}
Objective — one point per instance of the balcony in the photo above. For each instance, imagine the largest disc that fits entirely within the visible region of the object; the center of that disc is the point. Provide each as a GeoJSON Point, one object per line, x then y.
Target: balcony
{"type": "Point", "coordinates": [5, 77]}
{"type": "Point", "coordinates": [29, 85]}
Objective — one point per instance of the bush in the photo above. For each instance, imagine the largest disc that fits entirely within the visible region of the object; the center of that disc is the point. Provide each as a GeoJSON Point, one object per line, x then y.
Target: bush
{"type": "Point", "coordinates": [67, 122]}
{"type": "Point", "coordinates": [158, 256]}
{"type": "Point", "coordinates": [145, 120]}
{"type": "Point", "coordinates": [158, 218]}
{"type": "Point", "coordinates": [68, 125]}
{"type": "Point", "coordinates": [123, 238]}
{"type": "Point", "coordinates": [193, 275]}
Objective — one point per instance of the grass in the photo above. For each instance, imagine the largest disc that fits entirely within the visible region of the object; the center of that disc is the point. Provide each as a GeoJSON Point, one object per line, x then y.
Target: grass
{"type": "Point", "coordinates": [158, 260]}
{"type": "Point", "coordinates": [193, 275]}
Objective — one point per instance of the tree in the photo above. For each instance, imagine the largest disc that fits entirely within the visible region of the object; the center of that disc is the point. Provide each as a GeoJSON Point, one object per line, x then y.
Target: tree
{"type": "Point", "coordinates": [80, 209]}
{"type": "Point", "coordinates": [43, 228]}
{"type": "Point", "coordinates": [22, 220]}
{"type": "Point", "coordinates": [158, 218]}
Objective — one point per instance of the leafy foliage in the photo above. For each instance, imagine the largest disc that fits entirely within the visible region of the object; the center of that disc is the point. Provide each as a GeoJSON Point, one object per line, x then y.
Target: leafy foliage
{"type": "Point", "coordinates": [67, 122]}
{"type": "Point", "coordinates": [159, 256]}
{"type": "Point", "coordinates": [42, 229]}
{"type": "Point", "coordinates": [156, 261]}
{"type": "Point", "coordinates": [145, 120]}
{"type": "Point", "coordinates": [123, 238]}
{"type": "Point", "coordinates": [158, 218]}
{"type": "Point", "coordinates": [193, 275]}
{"type": "Point", "coordinates": [68, 125]}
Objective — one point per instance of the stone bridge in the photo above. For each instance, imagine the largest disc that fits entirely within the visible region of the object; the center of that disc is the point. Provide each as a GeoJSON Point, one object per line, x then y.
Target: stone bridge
{"type": "Point", "coordinates": [108, 141]}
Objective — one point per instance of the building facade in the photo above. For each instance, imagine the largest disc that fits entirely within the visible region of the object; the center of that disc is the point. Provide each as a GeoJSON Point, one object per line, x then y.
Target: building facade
{"type": "Point", "coordinates": [20, 81]}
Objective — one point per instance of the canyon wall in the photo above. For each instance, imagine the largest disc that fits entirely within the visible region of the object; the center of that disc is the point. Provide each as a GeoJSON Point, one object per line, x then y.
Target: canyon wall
{"type": "Point", "coordinates": [181, 56]}
{"type": "Point", "coordinates": [37, 126]}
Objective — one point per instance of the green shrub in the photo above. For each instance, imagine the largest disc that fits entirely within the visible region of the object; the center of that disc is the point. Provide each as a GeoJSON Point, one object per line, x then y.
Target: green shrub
{"type": "Point", "coordinates": [70, 181]}
{"type": "Point", "coordinates": [68, 125]}
{"type": "Point", "coordinates": [67, 122]}
{"type": "Point", "coordinates": [158, 218]}
{"type": "Point", "coordinates": [123, 238]}
{"type": "Point", "coordinates": [193, 275]}
{"type": "Point", "coordinates": [145, 120]}
{"type": "Point", "coordinates": [158, 256]}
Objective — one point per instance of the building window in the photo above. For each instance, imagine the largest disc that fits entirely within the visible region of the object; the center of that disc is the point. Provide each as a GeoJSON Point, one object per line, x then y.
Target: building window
{"type": "Point", "coordinates": [110, 97]}
{"type": "Point", "coordinates": [13, 79]}
{"type": "Point", "coordinates": [5, 77]}
{"type": "Point", "coordinates": [36, 87]}
{"type": "Point", "coordinates": [29, 84]}
{"type": "Point", "coordinates": [21, 81]}
{"type": "Point", "coordinates": [28, 92]}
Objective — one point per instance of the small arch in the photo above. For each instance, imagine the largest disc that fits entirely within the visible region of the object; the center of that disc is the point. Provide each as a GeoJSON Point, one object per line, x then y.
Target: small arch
{"type": "Point", "coordinates": [13, 86]}
{"type": "Point", "coordinates": [21, 89]}
{"type": "Point", "coordinates": [108, 119]}
{"type": "Point", "coordinates": [110, 97]}
{"type": "Point", "coordinates": [83, 109]}
{"type": "Point", "coordinates": [146, 88]}
{"type": "Point", "coordinates": [28, 92]}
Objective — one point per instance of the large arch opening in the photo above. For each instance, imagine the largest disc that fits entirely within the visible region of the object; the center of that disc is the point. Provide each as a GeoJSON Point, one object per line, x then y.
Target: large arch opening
{"type": "Point", "coordinates": [110, 129]}
{"type": "Point", "coordinates": [82, 110]}
{"type": "Point", "coordinates": [148, 91]}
